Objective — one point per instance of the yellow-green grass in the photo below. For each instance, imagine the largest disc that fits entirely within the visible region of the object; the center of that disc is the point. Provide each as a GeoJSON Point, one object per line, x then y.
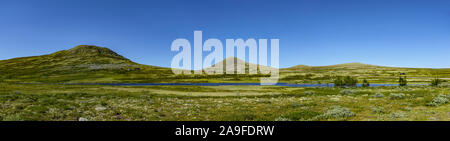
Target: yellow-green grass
{"type": "Point", "coordinates": [212, 103]}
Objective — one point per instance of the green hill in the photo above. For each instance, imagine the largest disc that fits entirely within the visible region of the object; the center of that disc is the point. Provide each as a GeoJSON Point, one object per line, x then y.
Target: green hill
{"type": "Point", "coordinates": [79, 64]}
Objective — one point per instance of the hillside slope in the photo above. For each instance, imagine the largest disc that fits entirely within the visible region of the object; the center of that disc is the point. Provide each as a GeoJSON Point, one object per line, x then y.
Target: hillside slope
{"type": "Point", "coordinates": [236, 61]}
{"type": "Point", "coordinates": [84, 62]}
{"type": "Point", "coordinates": [80, 57]}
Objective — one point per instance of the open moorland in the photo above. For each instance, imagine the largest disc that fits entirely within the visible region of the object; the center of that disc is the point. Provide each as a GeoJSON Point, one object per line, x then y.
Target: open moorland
{"type": "Point", "coordinates": [44, 88]}
{"type": "Point", "coordinates": [211, 103]}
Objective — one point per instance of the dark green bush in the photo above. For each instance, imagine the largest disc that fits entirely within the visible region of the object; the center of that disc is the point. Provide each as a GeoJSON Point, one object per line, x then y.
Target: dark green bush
{"type": "Point", "coordinates": [347, 81]}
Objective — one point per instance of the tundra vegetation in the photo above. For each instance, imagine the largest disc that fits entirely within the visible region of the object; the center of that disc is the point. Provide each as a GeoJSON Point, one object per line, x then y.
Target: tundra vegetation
{"type": "Point", "coordinates": [43, 88]}
{"type": "Point", "coordinates": [44, 102]}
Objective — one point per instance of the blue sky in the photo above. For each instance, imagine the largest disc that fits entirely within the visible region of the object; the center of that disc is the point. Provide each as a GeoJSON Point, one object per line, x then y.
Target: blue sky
{"type": "Point", "coordinates": [403, 33]}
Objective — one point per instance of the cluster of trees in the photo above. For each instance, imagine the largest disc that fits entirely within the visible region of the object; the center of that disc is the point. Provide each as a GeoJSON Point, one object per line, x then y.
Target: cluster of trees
{"type": "Point", "coordinates": [347, 81]}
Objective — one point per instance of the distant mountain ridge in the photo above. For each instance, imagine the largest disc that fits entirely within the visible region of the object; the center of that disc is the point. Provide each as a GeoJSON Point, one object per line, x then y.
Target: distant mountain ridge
{"type": "Point", "coordinates": [353, 64]}
{"type": "Point", "coordinates": [101, 55]}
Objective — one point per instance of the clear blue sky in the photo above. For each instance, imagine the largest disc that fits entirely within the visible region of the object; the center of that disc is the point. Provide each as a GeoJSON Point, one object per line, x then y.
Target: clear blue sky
{"type": "Point", "coordinates": [405, 33]}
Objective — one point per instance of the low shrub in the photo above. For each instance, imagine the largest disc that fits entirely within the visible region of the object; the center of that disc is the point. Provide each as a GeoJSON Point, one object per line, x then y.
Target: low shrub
{"type": "Point", "coordinates": [398, 115]}
{"type": "Point", "coordinates": [439, 100]}
{"type": "Point", "coordinates": [282, 119]}
{"type": "Point", "coordinates": [347, 92]}
{"type": "Point", "coordinates": [378, 110]}
{"type": "Point", "coordinates": [309, 92]}
{"type": "Point", "coordinates": [13, 117]}
{"type": "Point", "coordinates": [302, 115]}
{"type": "Point", "coordinates": [336, 112]}
{"type": "Point", "coordinates": [395, 96]}
{"type": "Point", "coordinates": [378, 95]}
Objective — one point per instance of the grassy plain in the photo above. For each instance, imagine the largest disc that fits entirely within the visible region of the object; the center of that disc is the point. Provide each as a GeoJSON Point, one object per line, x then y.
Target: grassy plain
{"type": "Point", "coordinates": [224, 103]}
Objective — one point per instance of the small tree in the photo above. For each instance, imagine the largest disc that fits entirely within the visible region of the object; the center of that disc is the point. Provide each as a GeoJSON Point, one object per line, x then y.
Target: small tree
{"type": "Point", "coordinates": [365, 83]}
{"type": "Point", "coordinates": [338, 82]}
{"type": "Point", "coordinates": [436, 82]}
{"type": "Point", "coordinates": [402, 81]}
